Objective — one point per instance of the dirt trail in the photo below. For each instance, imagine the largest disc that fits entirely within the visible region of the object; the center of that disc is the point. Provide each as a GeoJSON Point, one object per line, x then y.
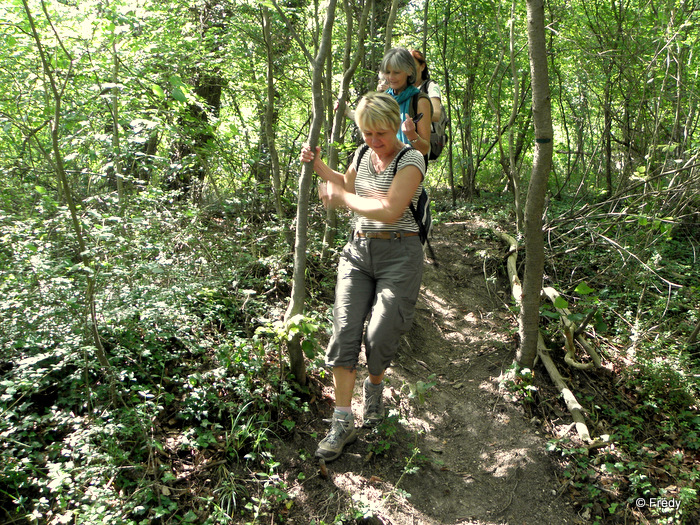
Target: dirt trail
{"type": "Point", "coordinates": [481, 460]}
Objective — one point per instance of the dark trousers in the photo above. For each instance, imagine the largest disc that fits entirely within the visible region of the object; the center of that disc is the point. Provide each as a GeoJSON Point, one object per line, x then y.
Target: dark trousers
{"type": "Point", "coordinates": [378, 282]}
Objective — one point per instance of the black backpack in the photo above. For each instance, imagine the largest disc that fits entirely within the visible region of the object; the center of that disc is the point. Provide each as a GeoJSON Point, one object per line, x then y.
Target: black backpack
{"type": "Point", "coordinates": [438, 130]}
{"type": "Point", "coordinates": [421, 212]}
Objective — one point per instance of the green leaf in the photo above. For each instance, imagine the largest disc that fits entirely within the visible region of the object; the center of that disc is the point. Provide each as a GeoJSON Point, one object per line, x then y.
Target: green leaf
{"type": "Point", "coordinates": [583, 289]}
{"type": "Point", "coordinates": [309, 328]}
{"type": "Point", "coordinates": [158, 91]}
{"type": "Point", "coordinates": [296, 320]}
{"type": "Point", "coordinates": [179, 95]}
{"type": "Point", "coordinates": [600, 325]}
{"type": "Point", "coordinates": [560, 303]}
{"type": "Point", "coordinates": [40, 189]}
{"type": "Point", "coordinates": [308, 347]}
{"type": "Point", "coordinates": [176, 81]}
{"type": "Point", "coordinates": [576, 318]}
{"type": "Point", "coordinates": [550, 314]}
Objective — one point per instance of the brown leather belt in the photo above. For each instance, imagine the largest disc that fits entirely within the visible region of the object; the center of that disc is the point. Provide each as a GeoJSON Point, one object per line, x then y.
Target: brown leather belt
{"type": "Point", "coordinates": [387, 236]}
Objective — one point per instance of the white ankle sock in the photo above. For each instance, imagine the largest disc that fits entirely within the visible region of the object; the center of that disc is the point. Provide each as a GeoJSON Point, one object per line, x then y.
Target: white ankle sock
{"type": "Point", "coordinates": [343, 412]}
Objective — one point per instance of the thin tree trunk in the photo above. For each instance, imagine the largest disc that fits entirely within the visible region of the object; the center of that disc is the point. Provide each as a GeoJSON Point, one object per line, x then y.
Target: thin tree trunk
{"type": "Point", "coordinates": [349, 66]}
{"type": "Point", "coordinates": [298, 296]}
{"type": "Point", "coordinates": [58, 164]}
{"type": "Point", "coordinates": [607, 138]}
{"type": "Point", "coordinates": [446, 100]}
{"type": "Point", "coordinates": [390, 25]}
{"type": "Point", "coordinates": [424, 43]}
{"type": "Point", "coordinates": [270, 117]}
{"type": "Point", "coordinates": [116, 146]}
{"type": "Point", "coordinates": [693, 337]}
{"type": "Point", "coordinates": [542, 162]}
{"type": "Point", "coordinates": [513, 173]}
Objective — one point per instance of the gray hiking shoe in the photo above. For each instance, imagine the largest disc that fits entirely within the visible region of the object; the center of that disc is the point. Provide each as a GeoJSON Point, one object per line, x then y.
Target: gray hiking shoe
{"type": "Point", "coordinates": [342, 433]}
{"type": "Point", "coordinates": [373, 404]}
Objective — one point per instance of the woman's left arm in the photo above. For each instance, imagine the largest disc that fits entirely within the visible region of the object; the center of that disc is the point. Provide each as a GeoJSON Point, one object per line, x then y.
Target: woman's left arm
{"type": "Point", "coordinates": [435, 99]}
{"type": "Point", "coordinates": [419, 134]}
{"type": "Point", "coordinates": [437, 110]}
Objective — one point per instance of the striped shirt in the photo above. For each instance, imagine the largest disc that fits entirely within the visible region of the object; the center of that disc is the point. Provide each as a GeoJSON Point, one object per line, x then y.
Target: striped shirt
{"type": "Point", "coordinates": [375, 185]}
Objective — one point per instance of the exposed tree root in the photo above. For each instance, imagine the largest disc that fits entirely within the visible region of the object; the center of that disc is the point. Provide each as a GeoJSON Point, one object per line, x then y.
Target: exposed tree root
{"type": "Point", "coordinates": [572, 403]}
{"type": "Point", "coordinates": [571, 334]}
{"type": "Point", "coordinates": [569, 398]}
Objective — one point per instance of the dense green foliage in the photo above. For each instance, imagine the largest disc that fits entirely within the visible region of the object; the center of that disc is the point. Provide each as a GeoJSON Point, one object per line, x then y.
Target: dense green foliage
{"type": "Point", "coordinates": [172, 121]}
{"type": "Point", "coordinates": [192, 342]}
{"type": "Point", "coordinates": [646, 412]}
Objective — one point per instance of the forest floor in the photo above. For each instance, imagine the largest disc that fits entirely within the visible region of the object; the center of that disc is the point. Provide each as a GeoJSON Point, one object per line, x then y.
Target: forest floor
{"type": "Point", "coordinates": [459, 452]}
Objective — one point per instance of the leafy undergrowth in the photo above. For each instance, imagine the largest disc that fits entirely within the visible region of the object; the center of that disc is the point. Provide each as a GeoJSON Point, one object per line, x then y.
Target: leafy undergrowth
{"type": "Point", "coordinates": [644, 463]}
{"type": "Point", "coordinates": [180, 427]}
{"type": "Point", "coordinates": [642, 406]}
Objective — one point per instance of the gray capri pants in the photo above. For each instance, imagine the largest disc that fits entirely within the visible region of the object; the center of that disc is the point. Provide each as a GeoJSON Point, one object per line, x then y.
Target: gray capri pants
{"type": "Point", "coordinates": [381, 279]}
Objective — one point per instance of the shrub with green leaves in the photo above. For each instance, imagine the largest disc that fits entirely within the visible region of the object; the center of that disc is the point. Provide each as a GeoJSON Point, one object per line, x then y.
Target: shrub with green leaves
{"type": "Point", "coordinates": [177, 311]}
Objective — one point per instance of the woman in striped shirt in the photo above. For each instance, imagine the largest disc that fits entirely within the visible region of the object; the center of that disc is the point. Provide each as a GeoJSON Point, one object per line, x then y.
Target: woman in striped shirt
{"type": "Point", "coordinates": [380, 269]}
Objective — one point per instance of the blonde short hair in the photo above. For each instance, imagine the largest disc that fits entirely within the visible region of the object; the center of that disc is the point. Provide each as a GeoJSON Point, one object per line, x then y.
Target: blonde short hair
{"type": "Point", "coordinates": [378, 111]}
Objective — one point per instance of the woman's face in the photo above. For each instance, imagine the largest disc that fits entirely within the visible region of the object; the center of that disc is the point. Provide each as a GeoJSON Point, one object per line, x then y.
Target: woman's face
{"type": "Point", "coordinates": [382, 141]}
{"type": "Point", "coordinates": [398, 80]}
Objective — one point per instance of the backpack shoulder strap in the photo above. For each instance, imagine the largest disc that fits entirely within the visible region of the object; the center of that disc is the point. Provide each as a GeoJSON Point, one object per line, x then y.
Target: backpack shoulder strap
{"type": "Point", "coordinates": [398, 158]}
{"type": "Point", "coordinates": [365, 147]}
{"type": "Point", "coordinates": [363, 150]}
{"type": "Point", "coordinates": [410, 204]}
{"type": "Point", "coordinates": [414, 102]}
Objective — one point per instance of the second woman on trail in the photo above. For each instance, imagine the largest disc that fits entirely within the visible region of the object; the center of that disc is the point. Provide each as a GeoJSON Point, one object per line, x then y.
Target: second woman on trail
{"type": "Point", "coordinates": [427, 84]}
{"type": "Point", "coordinates": [399, 70]}
{"type": "Point", "coordinates": [380, 269]}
